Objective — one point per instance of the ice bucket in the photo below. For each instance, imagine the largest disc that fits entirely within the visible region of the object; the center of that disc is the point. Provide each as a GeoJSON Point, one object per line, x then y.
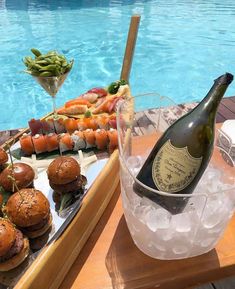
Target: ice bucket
{"type": "Point", "coordinates": [156, 231]}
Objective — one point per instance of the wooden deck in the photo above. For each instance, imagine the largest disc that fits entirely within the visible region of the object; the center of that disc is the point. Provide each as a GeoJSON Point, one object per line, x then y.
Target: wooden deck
{"type": "Point", "coordinates": [226, 109]}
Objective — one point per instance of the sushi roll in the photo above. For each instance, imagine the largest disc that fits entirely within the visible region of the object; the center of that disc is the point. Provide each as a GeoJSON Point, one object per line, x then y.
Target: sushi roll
{"type": "Point", "coordinates": [90, 122]}
{"type": "Point", "coordinates": [59, 125]}
{"type": "Point", "coordinates": [47, 126]}
{"type": "Point", "coordinates": [65, 142]}
{"type": "Point", "coordinates": [103, 122]}
{"type": "Point", "coordinates": [35, 126]}
{"type": "Point", "coordinates": [39, 143]}
{"type": "Point", "coordinates": [52, 142]}
{"type": "Point", "coordinates": [113, 121]}
{"type": "Point", "coordinates": [113, 139]}
{"type": "Point", "coordinates": [101, 139]}
{"type": "Point", "coordinates": [90, 138]}
{"type": "Point", "coordinates": [71, 125]}
{"type": "Point", "coordinates": [82, 124]}
{"type": "Point", "coordinates": [27, 144]}
{"type": "Point", "coordinates": [78, 140]}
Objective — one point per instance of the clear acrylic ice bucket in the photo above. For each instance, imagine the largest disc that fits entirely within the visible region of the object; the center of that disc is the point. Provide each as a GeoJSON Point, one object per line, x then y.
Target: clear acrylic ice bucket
{"type": "Point", "coordinates": [154, 230]}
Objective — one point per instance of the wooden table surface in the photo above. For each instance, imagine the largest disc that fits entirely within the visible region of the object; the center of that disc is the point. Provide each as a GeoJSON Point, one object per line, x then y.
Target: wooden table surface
{"type": "Point", "coordinates": [110, 258]}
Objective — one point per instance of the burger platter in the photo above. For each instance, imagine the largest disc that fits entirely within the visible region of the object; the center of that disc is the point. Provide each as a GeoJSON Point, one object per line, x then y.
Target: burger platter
{"type": "Point", "coordinates": [48, 170]}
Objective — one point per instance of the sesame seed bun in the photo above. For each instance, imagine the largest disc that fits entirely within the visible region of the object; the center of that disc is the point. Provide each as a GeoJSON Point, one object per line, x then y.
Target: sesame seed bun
{"type": "Point", "coordinates": [22, 173]}
{"type": "Point", "coordinates": [3, 156]}
{"type": "Point", "coordinates": [27, 207]}
{"type": "Point", "coordinates": [17, 259]}
{"type": "Point", "coordinates": [7, 236]}
{"type": "Point", "coordinates": [63, 170]}
{"type": "Point", "coordinates": [8, 242]}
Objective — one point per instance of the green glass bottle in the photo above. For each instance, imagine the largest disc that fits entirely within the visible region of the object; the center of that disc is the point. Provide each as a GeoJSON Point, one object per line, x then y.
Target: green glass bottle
{"type": "Point", "coordinates": [181, 155]}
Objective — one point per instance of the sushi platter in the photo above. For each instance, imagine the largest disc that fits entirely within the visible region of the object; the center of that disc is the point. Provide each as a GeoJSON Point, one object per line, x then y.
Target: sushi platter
{"type": "Point", "coordinates": [72, 157]}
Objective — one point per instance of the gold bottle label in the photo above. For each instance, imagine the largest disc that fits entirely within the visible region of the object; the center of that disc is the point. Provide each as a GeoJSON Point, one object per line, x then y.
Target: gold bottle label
{"type": "Point", "coordinates": [174, 168]}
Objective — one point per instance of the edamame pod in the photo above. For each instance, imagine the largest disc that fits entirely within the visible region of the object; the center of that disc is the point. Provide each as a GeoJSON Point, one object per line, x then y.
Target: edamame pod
{"type": "Point", "coordinates": [46, 73]}
{"type": "Point", "coordinates": [36, 52]}
{"type": "Point", "coordinates": [49, 67]}
{"type": "Point", "coordinates": [42, 62]}
{"type": "Point", "coordinates": [37, 66]}
{"type": "Point", "coordinates": [49, 64]}
{"type": "Point", "coordinates": [28, 59]}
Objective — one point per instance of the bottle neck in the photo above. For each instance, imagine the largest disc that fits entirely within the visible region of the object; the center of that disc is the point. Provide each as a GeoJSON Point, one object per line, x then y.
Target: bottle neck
{"type": "Point", "coordinates": [212, 100]}
{"type": "Point", "coordinates": [209, 105]}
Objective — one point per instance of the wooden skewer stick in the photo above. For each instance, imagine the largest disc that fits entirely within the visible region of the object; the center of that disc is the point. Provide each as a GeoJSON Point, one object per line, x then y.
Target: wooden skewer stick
{"type": "Point", "coordinates": [130, 47]}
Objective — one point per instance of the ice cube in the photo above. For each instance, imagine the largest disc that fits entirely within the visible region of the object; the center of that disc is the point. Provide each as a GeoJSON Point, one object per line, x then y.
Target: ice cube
{"type": "Point", "coordinates": [180, 249]}
{"type": "Point", "coordinates": [140, 212]}
{"type": "Point", "coordinates": [213, 212]}
{"type": "Point", "coordinates": [158, 219]}
{"type": "Point", "coordinates": [210, 181]}
{"type": "Point", "coordinates": [181, 222]}
{"type": "Point", "coordinates": [147, 202]}
{"type": "Point", "coordinates": [207, 242]}
{"type": "Point", "coordinates": [212, 174]}
{"type": "Point", "coordinates": [159, 247]}
{"type": "Point", "coordinates": [134, 163]}
{"type": "Point", "coordinates": [165, 234]}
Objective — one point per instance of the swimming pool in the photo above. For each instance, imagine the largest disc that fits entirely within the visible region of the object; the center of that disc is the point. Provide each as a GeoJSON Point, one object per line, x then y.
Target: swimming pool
{"type": "Point", "coordinates": [181, 47]}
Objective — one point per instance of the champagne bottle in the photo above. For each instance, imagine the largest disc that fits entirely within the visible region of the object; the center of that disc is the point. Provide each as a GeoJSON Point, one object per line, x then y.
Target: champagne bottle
{"type": "Point", "coordinates": [181, 155]}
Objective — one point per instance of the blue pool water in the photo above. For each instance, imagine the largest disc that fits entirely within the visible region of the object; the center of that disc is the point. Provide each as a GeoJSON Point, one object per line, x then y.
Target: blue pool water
{"type": "Point", "coordinates": [182, 46]}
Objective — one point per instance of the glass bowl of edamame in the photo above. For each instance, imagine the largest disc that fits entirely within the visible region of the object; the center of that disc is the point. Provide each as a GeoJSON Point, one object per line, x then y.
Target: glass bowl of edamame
{"type": "Point", "coordinates": [50, 70]}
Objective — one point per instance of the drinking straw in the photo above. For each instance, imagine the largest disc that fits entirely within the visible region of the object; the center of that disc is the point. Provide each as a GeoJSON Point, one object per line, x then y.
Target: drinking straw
{"type": "Point", "coordinates": [130, 47]}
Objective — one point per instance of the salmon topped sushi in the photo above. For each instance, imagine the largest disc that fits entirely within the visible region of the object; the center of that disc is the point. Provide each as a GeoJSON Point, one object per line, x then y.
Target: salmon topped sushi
{"type": "Point", "coordinates": [113, 139]}
{"type": "Point", "coordinates": [59, 124]}
{"type": "Point", "coordinates": [82, 124]}
{"type": "Point", "coordinates": [52, 142]}
{"type": "Point", "coordinates": [90, 138]}
{"type": "Point", "coordinates": [103, 122]}
{"type": "Point", "coordinates": [27, 144]}
{"type": "Point", "coordinates": [39, 143]}
{"type": "Point", "coordinates": [65, 142]}
{"type": "Point", "coordinates": [47, 126]}
{"type": "Point", "coordinates": [79, 140]}
{"type": "Point", "coordinates": [101, 139]}
{"type": "Point", "coordinates": [90, 122]}
{"type": "Point", "coordinates": [71, 125]}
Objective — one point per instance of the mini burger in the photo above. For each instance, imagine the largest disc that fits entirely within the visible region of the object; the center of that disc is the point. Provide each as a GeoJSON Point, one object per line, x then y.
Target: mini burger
{"type": "Point", "coordinates": [29, 210]}
{"type": "Point", "coordinates": [17, 176]}
{"type": "Point", "coordinates": [64, 175]}
{"type": "Point", "coordinates": [1, 203]}
{"type": "Point", "coordinates": [14, 247]}
{"type": "Point", "coordinates": [3, 159]}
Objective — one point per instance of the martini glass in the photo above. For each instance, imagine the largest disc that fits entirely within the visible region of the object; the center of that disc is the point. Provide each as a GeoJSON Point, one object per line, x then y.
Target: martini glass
{"type": "Point", "coordinates": [52, 85]}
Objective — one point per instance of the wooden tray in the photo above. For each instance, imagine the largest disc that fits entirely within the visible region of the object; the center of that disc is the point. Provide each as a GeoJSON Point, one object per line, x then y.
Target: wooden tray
{"type": "Point", "coordinates": [55, 259]}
